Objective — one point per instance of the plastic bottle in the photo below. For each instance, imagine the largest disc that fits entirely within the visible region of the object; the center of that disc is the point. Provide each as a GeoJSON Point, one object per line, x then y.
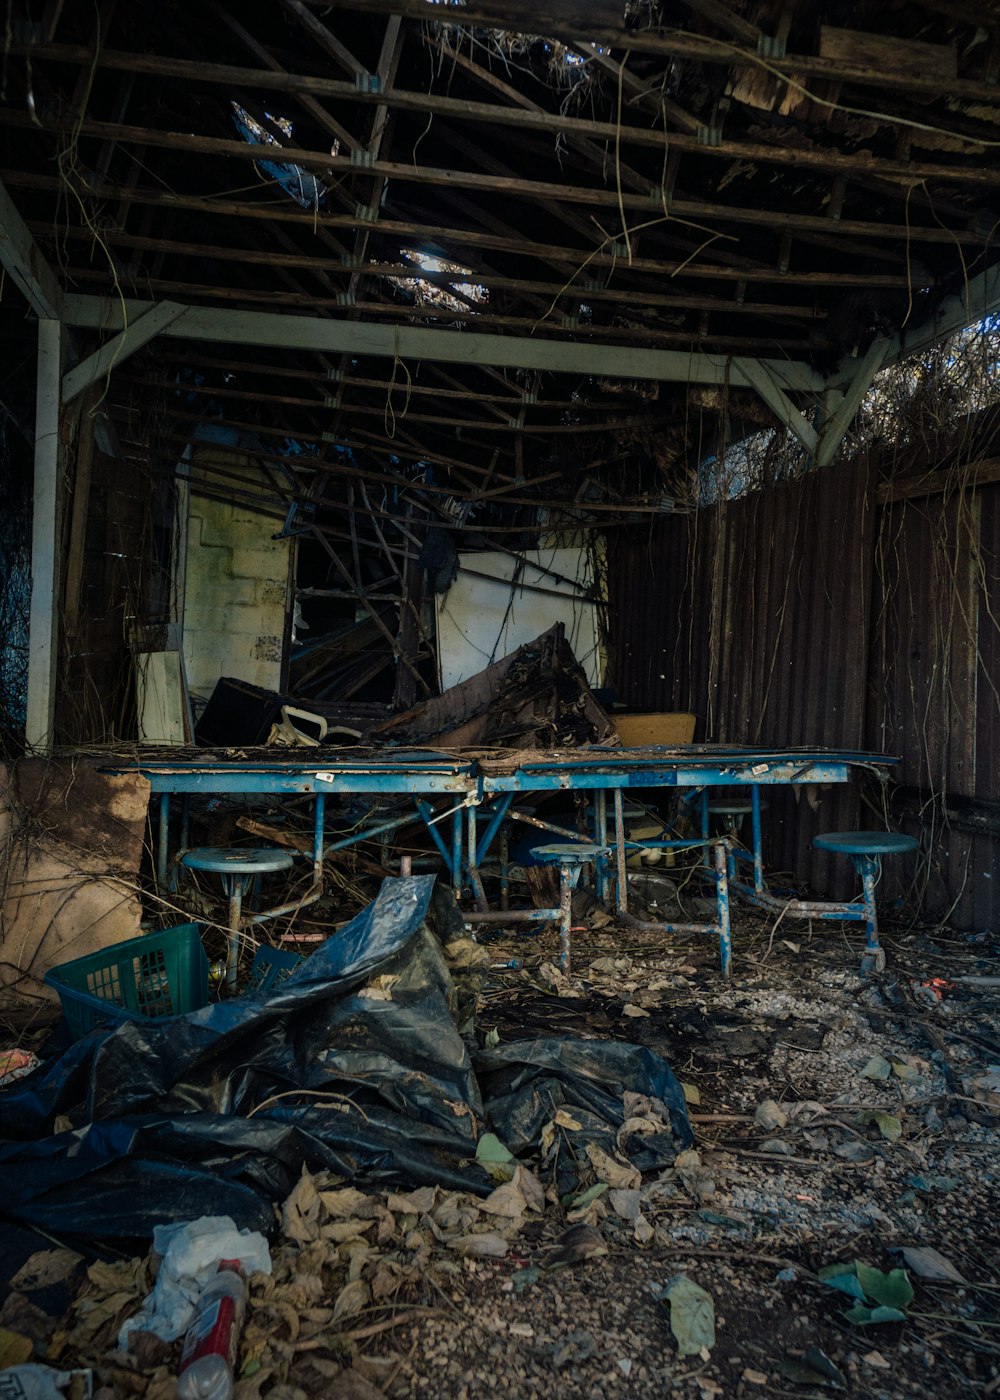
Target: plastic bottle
{"type": "Point", "coordinates": [209, 1353]}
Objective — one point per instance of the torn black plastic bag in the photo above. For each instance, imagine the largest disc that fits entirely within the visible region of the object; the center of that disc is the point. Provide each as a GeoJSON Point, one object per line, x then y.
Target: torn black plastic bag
{"type": "Point", "coordinates": [354, 1065]}
{"type": "Point", "coordinates": [525, 1083]}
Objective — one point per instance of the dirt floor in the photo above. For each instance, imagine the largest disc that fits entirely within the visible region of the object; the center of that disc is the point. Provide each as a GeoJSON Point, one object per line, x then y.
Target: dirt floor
{"type": "Point", "coordinates": [839, 1121]}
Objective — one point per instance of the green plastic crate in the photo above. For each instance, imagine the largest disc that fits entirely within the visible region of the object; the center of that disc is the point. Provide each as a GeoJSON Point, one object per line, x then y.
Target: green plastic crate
{"type": "Point", "coordinates": [143, 979]}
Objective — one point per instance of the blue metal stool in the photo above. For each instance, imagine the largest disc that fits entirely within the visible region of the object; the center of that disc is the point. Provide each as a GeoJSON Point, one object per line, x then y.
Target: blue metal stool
{"type": "Point", "coordinates": [866, 849]}
{"type": "Point", "coordinates": [571, 860]}
{"type": "Point", "coordinates": [237, 865]}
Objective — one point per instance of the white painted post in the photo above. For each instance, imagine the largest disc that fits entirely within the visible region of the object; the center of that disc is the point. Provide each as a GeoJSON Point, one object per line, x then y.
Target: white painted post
{"type": "Point", "coordinates": [44, 631]}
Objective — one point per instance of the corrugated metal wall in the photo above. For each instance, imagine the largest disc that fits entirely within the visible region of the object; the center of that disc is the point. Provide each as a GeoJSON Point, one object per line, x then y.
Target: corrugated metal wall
{"type": "Point", "coordinates": [810, 614]}
{"type": "Point", "coordinates": [755, 615]}
{"type": "Point", "coordinates": [936, 690]}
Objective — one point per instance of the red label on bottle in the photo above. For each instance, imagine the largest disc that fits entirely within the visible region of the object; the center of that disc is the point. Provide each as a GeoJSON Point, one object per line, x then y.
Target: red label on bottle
{"type": "Point", "coordinates": [212, 1333]}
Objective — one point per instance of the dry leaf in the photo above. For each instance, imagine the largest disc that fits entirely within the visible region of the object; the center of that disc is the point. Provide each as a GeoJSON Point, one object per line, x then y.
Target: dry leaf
{"type": "Point", "coordinates": [300, 1212]}
{"type": "Point", "coordinates": [122, 1275]}
{"type": "Point", "coordinates": [348, 1202]}
{"type": "Point", "coordinates": [625, 1203]}
{"type": "Point", "coordinates": [387, 1279]}
{"type": "Point", "coordinates": [340, 1230]}
{"type": "Point", "coordinates": [413, 1202]}
{"type": "Point", "coordinates": [456, 1211]}
{"type": "Point", "coordinates": [642, 1230]}
{"type": "Point", "coordinates": [531, 1188]}
{"type": "Point", "coordinates": [489, 1245]}
{"type": "Point", "coordinates": [640, 1126]}
{"type": "Point", "coordinates": [351, 1299]}
{"type": "Point", "coordinates": [44, 1267]}
{"type": "Point", "coordinates": [507, 1200]}
{"type": "Point", "coordinates": [617, 1174]}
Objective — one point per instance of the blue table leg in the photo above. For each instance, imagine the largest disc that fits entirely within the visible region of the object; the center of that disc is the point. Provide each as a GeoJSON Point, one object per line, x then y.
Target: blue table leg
{"type": "Point", "coordinates": [319, 816]}
{"type": "Point", "coordinates": [758, 840]}
{"type": "Point", "coordinates": [620, 851]}
{"type": "Point", "coordinates": [722, 899]}
{"type": "Point", "coordinates": [600, 838]}
{"type": "Point", "coordinates": [163, 841]}
{"type": "Point", "coordinates": [472, 863]}
{"type": "Point", "coordinates": [456, 851]}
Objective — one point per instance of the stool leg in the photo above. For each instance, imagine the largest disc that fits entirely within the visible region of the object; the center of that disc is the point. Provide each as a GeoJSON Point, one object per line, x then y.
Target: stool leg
{"type": "Point", "coordinates": [873, 959]}
{"type": "Point", "coordinates": [234, 884]}
{"type": "Point", "coordinates": [565, 915]}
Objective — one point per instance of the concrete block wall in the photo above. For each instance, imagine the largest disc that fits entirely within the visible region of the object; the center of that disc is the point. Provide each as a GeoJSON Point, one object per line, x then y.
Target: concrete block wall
{"type": "Point", "coordinates": [235, 596]}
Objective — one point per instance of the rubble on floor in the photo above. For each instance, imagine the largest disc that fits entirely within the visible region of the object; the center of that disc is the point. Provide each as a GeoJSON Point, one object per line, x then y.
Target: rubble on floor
{"type": "Point", "coordinates": [846, 1153]}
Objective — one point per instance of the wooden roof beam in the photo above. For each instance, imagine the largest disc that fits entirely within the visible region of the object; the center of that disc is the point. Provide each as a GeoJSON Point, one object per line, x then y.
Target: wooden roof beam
{"type": "Point", "coordinates": [906, 172]}
{"type": "Point", "coordinates": [683, 43]}
{"type": "Point", "coordinates": [308, 104]}
{"type": "Point", "coordinates": [441, 237]}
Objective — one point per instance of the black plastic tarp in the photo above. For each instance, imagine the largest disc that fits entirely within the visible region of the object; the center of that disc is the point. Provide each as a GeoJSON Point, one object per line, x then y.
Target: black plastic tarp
{"type": "Point", "coordinates": [353, 1065]}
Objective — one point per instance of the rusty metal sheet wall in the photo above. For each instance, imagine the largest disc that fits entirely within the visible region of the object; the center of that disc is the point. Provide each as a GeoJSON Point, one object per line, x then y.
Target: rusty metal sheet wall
{"type": "Point", "coordinates": [936, 700]}
{"type": "Point", "coordinates": [755, 615]}
{"type": "Point", "coordinates": [805, 615]}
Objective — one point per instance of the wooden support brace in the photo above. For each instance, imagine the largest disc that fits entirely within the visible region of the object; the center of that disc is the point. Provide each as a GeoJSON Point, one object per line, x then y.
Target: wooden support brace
{"type": "Point", "coordinates": [133, 337]}
{"type": "Point", "coordinates": [23, 260]}
{"type": "Point", "coordinates": [761, 377]}
{"type": "Point", "coordinates": [833, 432]}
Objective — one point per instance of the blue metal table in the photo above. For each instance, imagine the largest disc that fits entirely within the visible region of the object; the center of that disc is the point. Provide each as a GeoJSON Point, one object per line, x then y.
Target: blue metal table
{"type": "Point", "coordinates": [418, 774]}
{"type": "Point", "coordinates": [698, 768]}
{"type": "Point", "coordinates": [485, 784]}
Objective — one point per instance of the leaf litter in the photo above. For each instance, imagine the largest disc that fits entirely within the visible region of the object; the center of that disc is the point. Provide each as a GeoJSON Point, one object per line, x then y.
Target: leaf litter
{"type": "Point", "coordinates": [382, 1293]}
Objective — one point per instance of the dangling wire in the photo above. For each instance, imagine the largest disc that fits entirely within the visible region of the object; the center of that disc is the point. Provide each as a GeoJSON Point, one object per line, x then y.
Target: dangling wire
{"type": "Point", "coordinates": [389, 415]}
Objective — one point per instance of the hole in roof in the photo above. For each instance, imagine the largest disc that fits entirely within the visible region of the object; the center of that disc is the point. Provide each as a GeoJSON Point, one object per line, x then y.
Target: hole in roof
{"type": "Point", "coordinates": [299, 184]}
{"type": "Point", "coordinates": [450, 285]}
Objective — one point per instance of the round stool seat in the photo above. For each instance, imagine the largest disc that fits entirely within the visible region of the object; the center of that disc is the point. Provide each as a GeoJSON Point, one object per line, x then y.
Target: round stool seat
{"type": "Point", "coordinates": [238, 860]}
{"type": "Point", "coordinates": [865, 843]}
{"type": "Point", "coordinates": [735, 808]}
{"type": "Point", "coordinates": [570, 854]}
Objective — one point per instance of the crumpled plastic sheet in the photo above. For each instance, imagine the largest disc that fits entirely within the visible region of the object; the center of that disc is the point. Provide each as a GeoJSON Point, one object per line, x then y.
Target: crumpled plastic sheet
{"type": "Point", "coordinates": [525, 1082]}
{"type": "Point", "coordinates": [215, 1112]}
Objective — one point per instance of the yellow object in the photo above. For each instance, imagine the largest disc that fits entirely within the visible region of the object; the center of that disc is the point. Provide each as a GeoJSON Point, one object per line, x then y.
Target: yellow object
{"type": "Point", "coordinates": [14, 1349]}
{"type": "Point", "coordinates": [658, 727]}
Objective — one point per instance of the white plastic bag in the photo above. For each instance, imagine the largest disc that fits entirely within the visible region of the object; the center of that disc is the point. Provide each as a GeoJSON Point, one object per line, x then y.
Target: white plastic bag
{"type": "Point", "coordinates": [191, 1254]}
{"type": "Point", "coordinates": [34, 1382]}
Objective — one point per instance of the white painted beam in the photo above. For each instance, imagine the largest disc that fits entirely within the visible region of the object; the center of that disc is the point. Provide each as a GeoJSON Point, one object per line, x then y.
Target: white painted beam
{"type": "Point", "coordinates": [771, 386]}
{"type": "Point", "coordinates": [43, 622]}
{"type": "Point", "coordinates": [135, 335]}
{"type": "Point", "coordinates": [842, 416]}
{"type": "Point", "coordinates": [23, 260]}
{"type": "Point", "coordinates": [231, 327]}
